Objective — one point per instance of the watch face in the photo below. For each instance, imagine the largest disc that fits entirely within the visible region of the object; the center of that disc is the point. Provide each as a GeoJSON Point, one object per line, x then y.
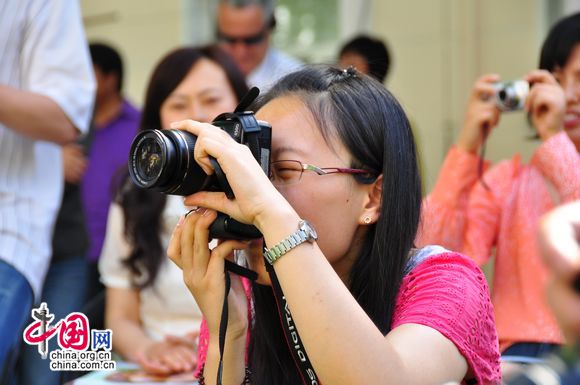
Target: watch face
{"type": "Point", "coordinates": [308, 229]}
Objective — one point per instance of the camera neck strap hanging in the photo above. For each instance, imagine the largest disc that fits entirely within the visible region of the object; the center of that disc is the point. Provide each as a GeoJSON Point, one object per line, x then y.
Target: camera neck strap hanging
{"type": "Point", "coordinates": [297, 350]}
{"type": "Point", "coordinates": [229, 267]}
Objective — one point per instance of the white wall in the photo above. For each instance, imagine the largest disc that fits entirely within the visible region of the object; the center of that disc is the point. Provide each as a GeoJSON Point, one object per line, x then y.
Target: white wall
{"type": "Point", "coordinates": [441, 47]}
{"type": "Point", "coordinates": [142, 30]}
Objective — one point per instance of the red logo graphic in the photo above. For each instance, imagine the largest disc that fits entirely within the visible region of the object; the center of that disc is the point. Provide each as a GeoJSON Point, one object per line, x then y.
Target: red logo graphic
{"type": "Point", "coordinates": [73, 331]}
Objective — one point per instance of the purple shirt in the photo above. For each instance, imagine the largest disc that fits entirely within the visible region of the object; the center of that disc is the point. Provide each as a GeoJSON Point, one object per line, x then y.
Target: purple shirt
{"type": "Point", "coordinates": [108, 153]}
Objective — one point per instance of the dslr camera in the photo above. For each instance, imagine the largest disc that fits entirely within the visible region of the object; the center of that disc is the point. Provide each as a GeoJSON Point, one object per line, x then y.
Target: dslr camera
{"type": "Point", "coordinates": [511, 95]}
{"type": "Point", "coordinates": [162, 160]}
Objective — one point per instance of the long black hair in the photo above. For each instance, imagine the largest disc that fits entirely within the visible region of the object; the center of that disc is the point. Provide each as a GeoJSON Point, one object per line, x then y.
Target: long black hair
{"type": "Point", "coordinates": [372, 125]}
{"type": "Point", "coordinates": [142, 209]}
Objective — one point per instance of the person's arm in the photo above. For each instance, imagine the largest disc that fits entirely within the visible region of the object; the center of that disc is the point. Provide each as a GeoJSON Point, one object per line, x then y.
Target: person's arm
{"type": "Point", "coordinates": [122, 301]}
{"type": "Point", "coordinates": [74, 162]}
{"type": "Point", "coordinates": [209, 294]}
{"type": "Point", "coordinates": [123, 309]}
{"type": "Point", "coordinates": [54, 100]}
{"type": "Point", "coordinates": [122, 316]}
{"type": "Point", "coordinates": [445, 213]}
{"type": "Point", "coordinates": [336, 331]}
{"type": "Point", "coordinates": [34, 115]}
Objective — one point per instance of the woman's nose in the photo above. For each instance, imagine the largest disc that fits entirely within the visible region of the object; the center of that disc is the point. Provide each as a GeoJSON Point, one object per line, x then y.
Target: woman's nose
{"type": "Point", "coordinates": [572, 92]}
{"type": "Point", "coordinates": [199, 114]}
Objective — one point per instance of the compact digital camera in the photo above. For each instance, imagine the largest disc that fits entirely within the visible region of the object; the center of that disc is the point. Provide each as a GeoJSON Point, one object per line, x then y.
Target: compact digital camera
{"type": "Point", "coordinates": [162, 160]}
{"type": "Point", "coordinates": [511, 95]}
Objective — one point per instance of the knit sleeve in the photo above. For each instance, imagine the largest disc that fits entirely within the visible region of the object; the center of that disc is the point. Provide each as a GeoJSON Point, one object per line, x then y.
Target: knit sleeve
{"type": "Point", "coordinates": [449, 293]}
{"type": "Point", "coordinates": [443, 215]}
{"type": "Point", "coordinates": [461, 214]}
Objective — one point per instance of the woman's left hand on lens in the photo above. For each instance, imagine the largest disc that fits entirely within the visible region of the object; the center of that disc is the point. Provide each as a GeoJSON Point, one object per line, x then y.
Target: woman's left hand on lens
{"type": "Point", "coordinates": [251, 186]}
{"type": "Point", "coordinates": [203, 270]}
{"type": "Point", "coordinates": [546, 103]}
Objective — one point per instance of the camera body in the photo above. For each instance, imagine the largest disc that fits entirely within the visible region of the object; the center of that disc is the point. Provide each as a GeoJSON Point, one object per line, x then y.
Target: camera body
{"type": "Point", "coordinates": [511, 95]}
{"type": "Point", "coordinates": [162, 160]}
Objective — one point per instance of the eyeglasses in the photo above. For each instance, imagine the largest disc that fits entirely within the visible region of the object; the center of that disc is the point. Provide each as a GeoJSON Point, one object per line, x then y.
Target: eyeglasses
{"type": "Point", "coordinates": [246, 40]}
{"type": "Point", "coordinates": [286, 172]}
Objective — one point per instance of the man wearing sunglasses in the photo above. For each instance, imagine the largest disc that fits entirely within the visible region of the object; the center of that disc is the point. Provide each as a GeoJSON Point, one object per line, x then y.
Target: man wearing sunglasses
{"type": "Point", "coordinates": [244, 28]}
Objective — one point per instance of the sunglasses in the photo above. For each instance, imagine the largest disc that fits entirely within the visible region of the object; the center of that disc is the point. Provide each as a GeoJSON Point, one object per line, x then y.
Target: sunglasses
{"type": "Point", "coordinates": [246, 40]}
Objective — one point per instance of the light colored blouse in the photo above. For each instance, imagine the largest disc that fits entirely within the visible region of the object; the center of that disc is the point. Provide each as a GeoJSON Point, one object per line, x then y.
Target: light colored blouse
{"type": "Point", "coordinates": [461, 214]}
{"type": "Point", "coordinates": [166, 307]}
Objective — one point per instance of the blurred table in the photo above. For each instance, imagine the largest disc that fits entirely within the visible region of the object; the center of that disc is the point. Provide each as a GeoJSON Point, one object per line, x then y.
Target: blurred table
{"type": "Point", "coordinates": [100, 378]}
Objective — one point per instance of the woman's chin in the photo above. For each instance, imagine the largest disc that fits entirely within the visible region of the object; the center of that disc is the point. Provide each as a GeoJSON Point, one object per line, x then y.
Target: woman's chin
{"type": "Point", "coordinates": [574, 135]}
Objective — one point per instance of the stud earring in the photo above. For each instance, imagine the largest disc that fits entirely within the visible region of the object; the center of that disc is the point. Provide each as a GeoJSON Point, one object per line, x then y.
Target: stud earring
{"type": "Point", "coordinates": [367, 220]}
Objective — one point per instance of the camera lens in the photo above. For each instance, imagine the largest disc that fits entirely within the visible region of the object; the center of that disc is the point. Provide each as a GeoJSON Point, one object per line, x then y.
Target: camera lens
{"type": "Point", "coordinates": [163, 160]}
{"type": "Point", "coordinates": [502, 95]}
{"type": "Point", "coordinates": [149, 161]}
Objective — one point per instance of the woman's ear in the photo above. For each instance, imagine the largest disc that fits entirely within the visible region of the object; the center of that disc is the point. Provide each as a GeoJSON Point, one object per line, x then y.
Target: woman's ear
{"type": "Point", "coordinates": [372, 205]}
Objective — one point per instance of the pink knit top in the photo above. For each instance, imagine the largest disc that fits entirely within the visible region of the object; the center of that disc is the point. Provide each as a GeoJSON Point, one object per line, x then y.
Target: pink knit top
{"type": "Point", "coordinates": [461, 215]}
{"type": "Point", "coordinates": [448, 293]}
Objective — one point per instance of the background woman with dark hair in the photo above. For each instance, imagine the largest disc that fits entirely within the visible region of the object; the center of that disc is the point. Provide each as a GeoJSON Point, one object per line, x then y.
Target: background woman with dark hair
{"type": "Point", "coordinates": [463, 214]}
{"type": "Point", "coordinates": [369, 308]}
{"type": "Point", "coordinates": [154, 320]}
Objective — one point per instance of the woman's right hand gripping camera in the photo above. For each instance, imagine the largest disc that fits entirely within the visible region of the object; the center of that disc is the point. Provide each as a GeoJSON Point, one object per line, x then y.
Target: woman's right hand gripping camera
{"type": "Point", "coordinates": [545, 105]}
{"type": "Point", "coordinates": [203, 271]}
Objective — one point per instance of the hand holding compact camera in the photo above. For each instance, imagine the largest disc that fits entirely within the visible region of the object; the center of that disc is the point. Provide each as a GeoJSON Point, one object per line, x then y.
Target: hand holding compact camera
{"type": "Point", "coordinates": [537, 93]}
{"type": "Point", "coordinates": [545, 104]}
{"type": "Point", "coordinates": [482, 114]}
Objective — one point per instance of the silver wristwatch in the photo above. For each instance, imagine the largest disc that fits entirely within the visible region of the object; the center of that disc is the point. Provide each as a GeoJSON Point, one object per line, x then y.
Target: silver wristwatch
{"type": "Point", "coordinates": [305, 233]}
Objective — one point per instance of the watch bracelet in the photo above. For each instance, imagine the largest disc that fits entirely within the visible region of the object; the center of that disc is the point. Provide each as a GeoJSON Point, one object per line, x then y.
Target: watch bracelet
{"type": "Point", "coordinates": [287, 244]}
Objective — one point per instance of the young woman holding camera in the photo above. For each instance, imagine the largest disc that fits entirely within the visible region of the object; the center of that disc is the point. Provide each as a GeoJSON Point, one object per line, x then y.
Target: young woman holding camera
{"type": "Point", "coordinates": [367, 306]}
{"type": "Point", "coordinates": [501, 210]}
{"type": "Point", "coordinates": [154, 319]}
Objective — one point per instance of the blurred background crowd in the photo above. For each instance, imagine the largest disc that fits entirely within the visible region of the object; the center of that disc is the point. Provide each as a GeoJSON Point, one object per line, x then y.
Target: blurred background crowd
{"type": "Point", "coordinates": [147, 63]}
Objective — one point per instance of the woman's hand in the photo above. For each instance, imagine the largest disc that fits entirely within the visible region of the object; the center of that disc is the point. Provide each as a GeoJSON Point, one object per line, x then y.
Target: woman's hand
{"type": "Point", "coordinates": [255, 195]}
{"type": "Point", "coordinates": [168, 357]}
{"type": "Point", "coordinates": [481, 116]}
{"type": "Point", "coordinates": [546, 103]}
{"type": "Point", "coordinates": [559, 239]}
{"type": "Point", "coordinates": [203, 272]}
{"type": "Point", "coordinates": [74, 162]}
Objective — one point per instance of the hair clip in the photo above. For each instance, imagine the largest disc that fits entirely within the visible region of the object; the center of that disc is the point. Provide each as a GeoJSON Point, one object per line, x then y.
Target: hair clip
{"type": "Point", "coordinates": [349, 72]}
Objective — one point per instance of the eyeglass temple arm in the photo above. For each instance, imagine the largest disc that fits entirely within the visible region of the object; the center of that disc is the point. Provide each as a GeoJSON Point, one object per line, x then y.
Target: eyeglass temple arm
{"type": "Point", "coordinates": [310, 167]}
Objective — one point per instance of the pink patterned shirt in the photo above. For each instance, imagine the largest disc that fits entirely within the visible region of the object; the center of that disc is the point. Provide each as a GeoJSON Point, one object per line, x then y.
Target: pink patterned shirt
{"type": "Point", "coordinates": [460, 214]}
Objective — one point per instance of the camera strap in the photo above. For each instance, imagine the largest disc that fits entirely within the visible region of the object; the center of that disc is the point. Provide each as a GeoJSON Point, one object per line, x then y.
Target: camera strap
{"type": "Point", "coordinates": [297, 350]}
{"type": "Point", "coordinates": [229, 267]}
{"type": "Point", "coordinates": [481, 160]}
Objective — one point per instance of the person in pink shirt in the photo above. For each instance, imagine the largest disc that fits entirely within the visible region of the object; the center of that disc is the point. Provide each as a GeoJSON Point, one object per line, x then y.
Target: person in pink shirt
{"type": "Point", "coordinates": [358, 303]}
{"type": "Point", "coordinates": [500, 211]}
